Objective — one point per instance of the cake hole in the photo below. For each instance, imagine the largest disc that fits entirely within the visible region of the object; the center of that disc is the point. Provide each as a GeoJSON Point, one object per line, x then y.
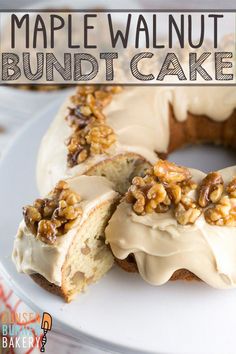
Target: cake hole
{"type": "Point", "coordinates": [204, 157]}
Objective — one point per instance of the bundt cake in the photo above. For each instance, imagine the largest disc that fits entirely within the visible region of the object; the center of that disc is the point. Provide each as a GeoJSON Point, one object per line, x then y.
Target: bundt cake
{"type": "Point", "coordinates": [172, 222]}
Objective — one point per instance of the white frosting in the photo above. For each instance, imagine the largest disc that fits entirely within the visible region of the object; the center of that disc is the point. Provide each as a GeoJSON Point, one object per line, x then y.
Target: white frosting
{"type": "Point", "coordinates": [140, 119]}
{"type": "Point", "coordinates": [161, 245]}
{"type": "Point", "coordinates": [31, 255]}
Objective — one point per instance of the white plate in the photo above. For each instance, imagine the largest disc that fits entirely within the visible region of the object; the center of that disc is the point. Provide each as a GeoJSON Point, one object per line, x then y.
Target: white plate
{"type": "Point", "coordinates": [121, 312]}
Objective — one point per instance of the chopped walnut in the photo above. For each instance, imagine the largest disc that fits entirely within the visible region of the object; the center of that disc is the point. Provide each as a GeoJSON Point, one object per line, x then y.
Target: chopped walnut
{"type": "Point", "coordinates": [188, 186]}
{"type": "Point", "coordinates": [223, 213]}
{"type": "Point", "coordinates": [166, 187]}
{"type": "Point", "coordinates": [77, 119]}
{"type": "Point", "coordinates": [51, 217]}
{"type": "Point", "coordinates": [149, 201]}
{"type": "Point", "coordinates": [96, 107]}
{"type": "Point", "coordinates": [91, 135]}
{"type": "Point", "coordinates": [231, 188]}
{"type": "Point", "coordinates": [95, 139]}
{"type": "Point", "coordinates": [78, 149]}
{"type": "Point", "coordinates": [152, 193]}
{"type": "Point", "coordinates": [140, 201]}
{"type": "Point", "coordinates": [175, 192]}
{"type": "Point", "coordinates": [100, 138]}
{"type": "Point", "coordinates": [187, 211]}
{"type": "Point", "coordinates": [47, 231]}
{"type": "Point", "coordinates": [169, 172]}
{"type": "Point", "coordinates": [211, 189]}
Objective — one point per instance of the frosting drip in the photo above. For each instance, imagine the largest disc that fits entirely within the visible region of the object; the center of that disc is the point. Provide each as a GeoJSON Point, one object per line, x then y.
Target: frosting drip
{"type": "Point", "coordinates": [161, 245]}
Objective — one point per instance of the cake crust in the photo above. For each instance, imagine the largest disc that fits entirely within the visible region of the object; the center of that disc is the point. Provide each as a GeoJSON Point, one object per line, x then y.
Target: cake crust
{"type": "Point", "coordinates": [45, 284]}
{"type": "Point", "coordinates": [190, 131]}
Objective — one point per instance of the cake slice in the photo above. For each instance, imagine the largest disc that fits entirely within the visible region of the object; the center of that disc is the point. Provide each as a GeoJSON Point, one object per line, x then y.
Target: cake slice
{"type": "Point", "coordinates": [60, 241]}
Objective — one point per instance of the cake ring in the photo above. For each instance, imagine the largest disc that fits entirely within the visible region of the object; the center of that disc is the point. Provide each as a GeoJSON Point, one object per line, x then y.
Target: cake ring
{"type": "Point", "coordinates": [171, 222]}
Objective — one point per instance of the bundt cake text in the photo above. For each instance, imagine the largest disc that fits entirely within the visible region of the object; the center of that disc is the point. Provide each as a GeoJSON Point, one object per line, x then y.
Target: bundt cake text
{"type": "Point", "coordinates": [148, 47]}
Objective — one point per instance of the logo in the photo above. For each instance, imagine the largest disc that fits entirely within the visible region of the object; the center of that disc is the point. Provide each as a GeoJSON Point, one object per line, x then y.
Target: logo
{"type": "Point", "coordinates": [25, 330]}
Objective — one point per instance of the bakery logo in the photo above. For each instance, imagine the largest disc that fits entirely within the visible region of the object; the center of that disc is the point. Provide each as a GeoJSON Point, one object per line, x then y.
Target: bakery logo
{"type": "Point", "coordinates": [24, 330]}
{"type": "Point", "coordinates": [136, 47]}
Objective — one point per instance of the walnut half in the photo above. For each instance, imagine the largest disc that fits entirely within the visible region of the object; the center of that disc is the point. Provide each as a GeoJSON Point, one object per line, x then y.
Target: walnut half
{"type": "Point", "coordinates": [231, 188]}
{"type": "Point", "coordinates": [210, 189]}
{"type": "Point", "coordinates": [187, 211]}
{"type": "Point", "coordinates": [169, 172]}
{"type": "Point", "coordinates": [223, 213]}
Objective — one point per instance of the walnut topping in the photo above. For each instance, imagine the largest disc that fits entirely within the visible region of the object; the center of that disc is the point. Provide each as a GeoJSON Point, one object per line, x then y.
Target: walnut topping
{"type": "Point", "coordinates": [210, 189]}
{"type": "Point", "coordinates": [100, 137]}
{"type": "Point", "coordinates": [51, 217]}
{"type": "Point", "coordinates": [223, 213]}
{"type": "Point", "coordinates": [169, 172]}
{"type": "Point", "coordinates": [78, 149]}
{"type": "Point", "coordinates": [166, 186]}
{"type": "Point", "coordinates": [188, 186]}
{"type": "Point", "coordinates": [91, 135]}
{"type": "Point", "coordinates": [231, 188]}
{"type": "Point", "coordinates": [157, 191]}
{"type": "Point", "coordinates": [187, 211]}
{"type": "Point", "coordinates": [148, 197]}
{"type": "Point", "coordinates": [175, 192]}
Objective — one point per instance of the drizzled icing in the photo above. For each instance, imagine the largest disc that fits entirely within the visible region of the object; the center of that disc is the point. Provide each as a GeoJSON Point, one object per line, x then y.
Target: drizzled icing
{"type": "Point", "coordinates": [161, 246]}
